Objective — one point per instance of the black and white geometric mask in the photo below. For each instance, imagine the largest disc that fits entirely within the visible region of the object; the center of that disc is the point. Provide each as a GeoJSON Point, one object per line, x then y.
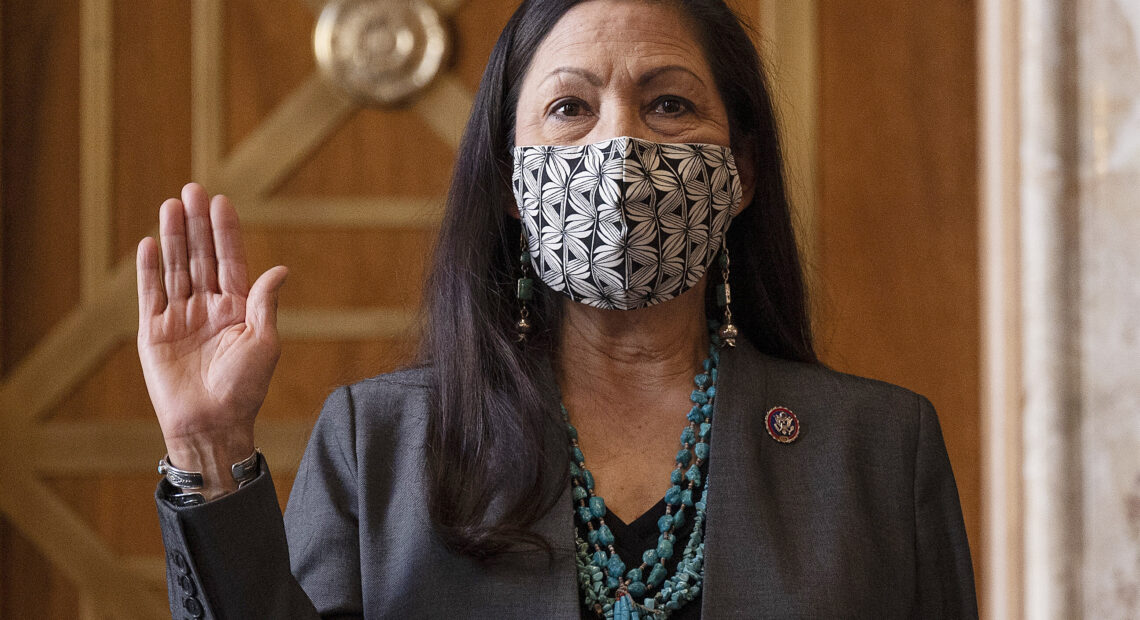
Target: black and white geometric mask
{"type": "Point", "coordinates": [624, 223]}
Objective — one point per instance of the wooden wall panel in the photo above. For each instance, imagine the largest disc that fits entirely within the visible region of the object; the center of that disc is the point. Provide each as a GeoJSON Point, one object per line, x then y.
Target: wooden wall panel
{"type": "Point", "coordinates": [40, 168]}
{"type": "Point", "coordinates": [29, 586]}
{"type": "Point", "coordinates": [266, 54]}
{"type": "Point", "coordinates": [39, 163]}
{"type": "Point", "coordinates": [898, 212]}
{"type": "Point", "coordinates": [151, 118]}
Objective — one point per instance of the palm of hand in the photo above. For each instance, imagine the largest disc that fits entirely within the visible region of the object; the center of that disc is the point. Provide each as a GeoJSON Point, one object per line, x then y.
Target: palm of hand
{"type": "Point", "coordinates": [208, 343]}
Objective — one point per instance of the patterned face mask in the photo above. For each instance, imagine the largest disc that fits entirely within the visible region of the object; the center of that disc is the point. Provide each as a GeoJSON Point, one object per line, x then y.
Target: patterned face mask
{"type": "Point", "coordinates": [624, 223]}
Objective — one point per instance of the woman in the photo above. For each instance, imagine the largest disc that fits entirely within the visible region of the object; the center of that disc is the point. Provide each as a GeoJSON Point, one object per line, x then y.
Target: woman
{"type": "Point", "coordinates": [631, 135]}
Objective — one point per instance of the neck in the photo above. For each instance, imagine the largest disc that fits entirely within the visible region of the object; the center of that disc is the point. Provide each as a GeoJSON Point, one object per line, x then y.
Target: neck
{"type": "Point", "coordinates": [631, 359]}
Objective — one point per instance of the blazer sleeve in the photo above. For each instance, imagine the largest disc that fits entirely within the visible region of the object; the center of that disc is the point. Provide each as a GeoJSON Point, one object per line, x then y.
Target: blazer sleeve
{"type": "Point", "coordinates": [945, 574]}
{"type": "Point", "coordinates": [230, 557]}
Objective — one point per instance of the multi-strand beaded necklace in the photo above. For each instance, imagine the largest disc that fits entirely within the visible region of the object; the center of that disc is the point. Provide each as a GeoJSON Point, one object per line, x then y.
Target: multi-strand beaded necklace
{"type": "Point", "coordinates": [606, 586]}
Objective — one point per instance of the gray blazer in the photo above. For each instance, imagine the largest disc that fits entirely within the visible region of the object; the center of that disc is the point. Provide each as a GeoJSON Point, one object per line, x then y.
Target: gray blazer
{"type": "Point", "coordinates": [858, 518]}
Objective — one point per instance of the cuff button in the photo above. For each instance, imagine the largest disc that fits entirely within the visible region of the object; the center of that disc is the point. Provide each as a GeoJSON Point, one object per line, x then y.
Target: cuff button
{"type": "Point", "coordinates": [192, 607]}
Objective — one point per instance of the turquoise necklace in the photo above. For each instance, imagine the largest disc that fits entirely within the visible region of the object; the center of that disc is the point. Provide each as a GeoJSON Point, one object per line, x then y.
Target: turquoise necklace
{"type": "Point", "coordinates": [605, 583]}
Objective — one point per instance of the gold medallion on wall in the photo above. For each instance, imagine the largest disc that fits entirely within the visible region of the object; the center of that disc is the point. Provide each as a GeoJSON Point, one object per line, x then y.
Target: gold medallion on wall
{"type": "Point", "coordinates": [380, 52]}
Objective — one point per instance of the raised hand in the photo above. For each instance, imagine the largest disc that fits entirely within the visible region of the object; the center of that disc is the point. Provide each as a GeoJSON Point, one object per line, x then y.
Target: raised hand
{"type": "Point", "coordinates": [207, 340]}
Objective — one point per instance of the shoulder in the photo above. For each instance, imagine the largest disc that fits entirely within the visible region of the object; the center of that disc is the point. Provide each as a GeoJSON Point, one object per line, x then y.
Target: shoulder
{"type": "Point", "coordinates": [840, 406]}
{"type": "Point", "coordinates": [393, 403]}
{"type": "Point", "coordinates": [398, 384]}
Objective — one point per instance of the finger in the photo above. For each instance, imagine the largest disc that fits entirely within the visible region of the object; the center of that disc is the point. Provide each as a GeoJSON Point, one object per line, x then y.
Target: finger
{"type": "Point", "coordinates": [148, 271]}
{"type": "Point", "coordinates": [261, 307]}
{"type": "Point", "coordinates": [200, 240]}
{"type": "Point", "coordinates": [232, 275]}
{"type": "Point", "coordinates": [172, 232]}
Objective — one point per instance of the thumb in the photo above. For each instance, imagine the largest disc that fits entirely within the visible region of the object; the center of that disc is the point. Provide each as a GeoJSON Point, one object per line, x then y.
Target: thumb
{"type": "Point", "coordinates": [261, 305]}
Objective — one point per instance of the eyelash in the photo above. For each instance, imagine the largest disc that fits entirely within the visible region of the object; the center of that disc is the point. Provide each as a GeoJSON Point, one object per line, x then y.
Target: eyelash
{"type": "Point", "coordinates": [685, 105]}
{"type": "Point", "coordinates": [561, 103]}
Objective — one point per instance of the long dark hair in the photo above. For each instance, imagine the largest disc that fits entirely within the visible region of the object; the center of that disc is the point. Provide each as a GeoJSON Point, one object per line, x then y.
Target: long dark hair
{"type": "Point", "coordinates": [496, 454]}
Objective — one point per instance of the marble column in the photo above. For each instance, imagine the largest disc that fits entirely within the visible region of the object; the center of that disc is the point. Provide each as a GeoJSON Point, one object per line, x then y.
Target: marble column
{"type": "Point", "coordinates": [1109, 325]}
{"type": "Point", "coordinates": [1061, 206]}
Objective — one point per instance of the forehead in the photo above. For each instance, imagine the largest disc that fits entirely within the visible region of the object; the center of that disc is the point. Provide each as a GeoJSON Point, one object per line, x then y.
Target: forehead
{"type": "Point", "coordinates": [608, 35]}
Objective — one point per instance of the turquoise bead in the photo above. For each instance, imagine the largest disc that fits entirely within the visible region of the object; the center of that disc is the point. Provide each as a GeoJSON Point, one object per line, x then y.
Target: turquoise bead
{"type": "Point", "coordinates": [664, 523]}
{"type": "Point", "coordinates": [694, 475]}
{"type": "Point", "coordinates": [524, 258]}
{"type": "Point", "coordinates": [701, 450]}
{"type": "Point", "coordinates": [701, 380]}
{"type": "Point", "coordinates": [687, 497]}
{"type": "Point", "coordinates": [636, 589]}
{"type": "Point", "coordinates": [672, 497]}
{"type": "Point", "coordinates": [634, 574]}
{"type": "Point", "coordinates": [649, 557]}
{"type": "Point", "coordinates": [588, 478]}
{"type": "Point", "coordinates": [706, 428]}
{"type": "Point", "coordinates": [574, 470]}
{"type": "Point", "coordinates": [695, 414]}
{"type": "Point", "coordinates": [612, 582]}
{"type": "Point", "coordinates": [664, 548]}
{"type": "Point", "coordinates": [621, 610]}
{"type": "Point", "coordinates": [688, 436]}
{"type": "Point", "coordinates": [584, 514]}
{"type": "Point", "coordinates": [573, 431]}
{"type": "Point", "coordinates": [578, 456]}
{"type": "Point", "coordinates": [579, 493]}
{"type": "Point", "coordinates": [678, 519]}
{"type": "Point", "coordinates": [707, 364]}
{"type": "Point", "coordinates": [592, 536]}
{"type": "Point", "coordinates": [615, 566]}
{"type": "Point", "coordinates": [713, 374]}
{"type": "Point", "coordinates": [657, 575]}
{"type": "Point", "coordinates": [711, 392]}
{"type": "Point", "coordinates": [605, 536]}
{"type": "Point", "coordinates": [683, 456]}
{"type": "Point", "coordinates": [676, 476]}
{"type": "Point", "coordinates": [706, 411]}
{"type": "Point", "coordinates": [600, 558]}
{"type": "Point", "coordinates": [699, 397]}
{"type": "Point", "coordinates": [598, 506]}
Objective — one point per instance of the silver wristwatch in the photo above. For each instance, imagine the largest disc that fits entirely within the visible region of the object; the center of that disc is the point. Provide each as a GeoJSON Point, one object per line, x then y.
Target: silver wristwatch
{"type": "Point", "coordinates": [188, 482]}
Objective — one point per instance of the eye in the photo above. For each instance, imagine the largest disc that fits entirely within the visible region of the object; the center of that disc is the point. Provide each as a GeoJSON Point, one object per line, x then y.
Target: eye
{"type": "Point", "coordinates": [670, 105]}
{"type": "Point", "coordinates": [569, 108]}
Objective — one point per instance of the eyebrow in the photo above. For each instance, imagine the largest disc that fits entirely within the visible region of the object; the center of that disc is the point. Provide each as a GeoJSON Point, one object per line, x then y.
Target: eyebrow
{"type": "Point", "coordinates": [653, 74]}
{"type": "Point", "coordinates": [644, 79]}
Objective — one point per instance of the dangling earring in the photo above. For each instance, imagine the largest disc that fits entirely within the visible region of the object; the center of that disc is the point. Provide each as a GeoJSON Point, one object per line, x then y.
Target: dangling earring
{"type": "Point", "coordinates": [727, 331]}
{"type": "Point", "coordinates": [525, 291]}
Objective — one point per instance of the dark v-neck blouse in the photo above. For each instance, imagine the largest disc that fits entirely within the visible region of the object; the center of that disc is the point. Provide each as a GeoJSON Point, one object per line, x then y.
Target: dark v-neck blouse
{"type": "Point", "coordinates": [631, 540]}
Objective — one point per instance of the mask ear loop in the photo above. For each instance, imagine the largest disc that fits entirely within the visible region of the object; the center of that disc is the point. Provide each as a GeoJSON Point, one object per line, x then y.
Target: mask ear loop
{"type": "Point", "coordinates": [525, 290]}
